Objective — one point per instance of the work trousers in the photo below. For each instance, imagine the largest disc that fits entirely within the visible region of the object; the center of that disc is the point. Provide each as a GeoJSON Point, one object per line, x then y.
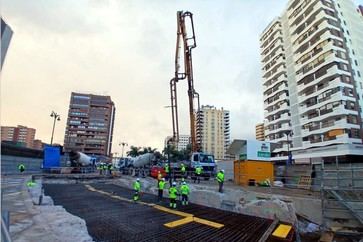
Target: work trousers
{"type": "Point", "coordinates": [220, 187]}
{"type": "Point", "coordinates": [197, 178]}
{"type": "Point", "coordinates": [184, 199]}
{"type": "Point", "coordinates": [136, 195]}
{"type": "Point", "coordinates": [160, 194]}
{"type": "Point", "coordinates": [173, 202]}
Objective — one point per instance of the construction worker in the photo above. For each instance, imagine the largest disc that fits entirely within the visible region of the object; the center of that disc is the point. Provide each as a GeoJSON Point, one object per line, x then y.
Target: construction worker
{"type": "Point", "coordinates": [220, 179]}
{"type": "Point", "coordinates": [183, 170]}
{"type": "Point", "coordinates": [137, 189]}
{"type": "Point", "coordinates": [21, 167]}
{"type": "Point", "coordinates": [160, 176]}
{"type": "Point", "coordinates": [184, 190]}
{"type": "Point", "coordinates": [167, 170]}
{"type": "Point", "coordinates": [109, 168]}
{"type": "Point", "coordinates": [161, 186]}
{"type": "Point", "coordinates": [173, 193]}
{"type": "Point", "coordinates": [198, 173]}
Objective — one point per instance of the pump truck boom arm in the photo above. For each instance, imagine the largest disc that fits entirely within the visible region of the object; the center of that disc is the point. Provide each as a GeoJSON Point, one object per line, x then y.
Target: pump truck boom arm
{"type": "Point", "coordinates": [189, 43]}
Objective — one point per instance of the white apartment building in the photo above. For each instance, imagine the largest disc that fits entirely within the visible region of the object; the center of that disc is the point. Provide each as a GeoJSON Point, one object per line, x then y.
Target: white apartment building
{"type": "Point", "coordinates": [213, 131]}
{"type": "Point", "coordinates": [184, 141]}
{"type": "Point", "coordinates": [312, 65]}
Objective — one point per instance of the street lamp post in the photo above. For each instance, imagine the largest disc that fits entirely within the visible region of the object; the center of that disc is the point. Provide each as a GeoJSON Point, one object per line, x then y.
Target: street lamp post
{"type": "Point", "coordinates": [56, 117]}
{"type": "Point", "coordinates": [289, 157]}
{"type": "Point", "coordinates": [123, 145]}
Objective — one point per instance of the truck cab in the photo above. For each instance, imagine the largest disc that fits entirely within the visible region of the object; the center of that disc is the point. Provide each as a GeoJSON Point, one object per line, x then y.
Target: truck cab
{"type": "Point", "coordinates": [206, 161]}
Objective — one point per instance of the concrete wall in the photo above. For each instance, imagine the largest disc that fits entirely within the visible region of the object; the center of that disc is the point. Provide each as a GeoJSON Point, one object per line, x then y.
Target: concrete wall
{"type": "Point", "coordinates": [243, 201]}
{"type": "Point", "coordinates": [9, 164]}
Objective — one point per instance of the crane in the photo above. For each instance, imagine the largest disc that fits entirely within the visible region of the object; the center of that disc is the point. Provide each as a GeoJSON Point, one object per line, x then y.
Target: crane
{"type": "Point", "coordinates": [186, 41]}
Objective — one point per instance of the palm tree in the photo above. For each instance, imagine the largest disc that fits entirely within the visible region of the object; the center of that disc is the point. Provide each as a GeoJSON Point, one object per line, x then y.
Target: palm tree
{"type": "Point", "coordinates": [134, 151]}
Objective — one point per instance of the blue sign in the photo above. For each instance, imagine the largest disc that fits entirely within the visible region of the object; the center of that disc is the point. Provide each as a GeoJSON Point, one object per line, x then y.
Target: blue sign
{"type": "Point", "coordinates": [51, 156]}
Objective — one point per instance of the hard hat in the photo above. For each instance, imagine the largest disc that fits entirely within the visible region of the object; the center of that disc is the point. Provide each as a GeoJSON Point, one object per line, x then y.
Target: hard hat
{"type": "Point", "coordinates": [138, 179]}
{"type": "Point", "coordinates": [174, 184]}
{"type": "Point", "coordinates": [163, 179]}
{"type": "Point", "coordinates": [184, 183]}
{"type": "Point", "coordinates": [222, 171]}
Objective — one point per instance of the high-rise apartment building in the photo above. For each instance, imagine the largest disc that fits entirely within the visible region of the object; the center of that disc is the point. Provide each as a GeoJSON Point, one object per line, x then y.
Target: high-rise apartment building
{"type": "Point", "coordinates": [312, 62]}
{"type": "Point", "coordinates": [213, 130]}
{"type": "Point", "coordinates": [260, 132]}
{"type": "Point", "coordinates": [6, 34]}
{"type": "Point", "coordinates": [90, 124]}
{"type": "Point", "coordinates": [20, 134]}
{"type": "Point", "coordinates": [184, 141]}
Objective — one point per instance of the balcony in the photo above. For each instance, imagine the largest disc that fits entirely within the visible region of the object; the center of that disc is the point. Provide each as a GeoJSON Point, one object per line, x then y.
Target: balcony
{"type": "Point", "coordinates": [275, 72]}
{"type": "Point", "coordinates": [277, 88]}
{"type": "Point", "coordinates": [281, 118]}
{"type": "Point", "coordinates": [276, 80]}
{"type": "Point", "coordinates": [281, 108]}
{"type": "Point", "coordinates": [324, 58]}
{"type": "Point", "coordinates": [311, 21]}
{"type": "Point", "coordinates": [278, 50]}
{"type": "Point", "coordinates": [332, 72]}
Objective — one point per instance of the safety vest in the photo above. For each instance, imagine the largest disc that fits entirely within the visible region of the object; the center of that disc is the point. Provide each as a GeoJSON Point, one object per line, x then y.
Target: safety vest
{"type": "Point", "coordinates": [161, 184]}
{"type": "Point", "coordinates": [198, 170]}
{"type": "Point", "coordinates": [173, 192]}
{"type": "Point", "coordinates": [167, 168]}
{"type": "Point", "coordinates": [220, 177]}
{"type": "Point", "coordinates": [137, 186]}
{"type": "Point", "coordinates": [21, 167]}
{"type": "Point", "coordinates": [182, 168]}
{"type": "Point", "coordinates": [184, 189]}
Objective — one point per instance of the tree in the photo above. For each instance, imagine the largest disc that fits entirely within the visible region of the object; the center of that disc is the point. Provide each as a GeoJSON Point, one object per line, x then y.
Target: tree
{"type": "Point", "coordinates": [134, 151]}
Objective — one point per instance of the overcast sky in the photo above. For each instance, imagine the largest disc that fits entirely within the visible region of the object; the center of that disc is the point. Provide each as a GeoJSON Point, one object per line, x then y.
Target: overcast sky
{"type": "Point", "coordinates": [126, 49]}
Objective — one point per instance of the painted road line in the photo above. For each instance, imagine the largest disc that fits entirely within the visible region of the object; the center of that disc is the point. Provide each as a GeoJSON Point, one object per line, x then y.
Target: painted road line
{"type": "Point", "coordinates": [207, 222]}
{"type": "Point", "coordinates": [188, 218]}
{"type": "Point", "coordinates": [179, 222]}
{"type": "Point", "coordinates": [168, 210]}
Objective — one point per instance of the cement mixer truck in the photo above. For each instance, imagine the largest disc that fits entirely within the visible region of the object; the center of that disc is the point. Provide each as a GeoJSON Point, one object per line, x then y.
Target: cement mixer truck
{"type": "Point", "coordinates": [137, 165]}
{"type": "Point", "coordinates": [81, 163]}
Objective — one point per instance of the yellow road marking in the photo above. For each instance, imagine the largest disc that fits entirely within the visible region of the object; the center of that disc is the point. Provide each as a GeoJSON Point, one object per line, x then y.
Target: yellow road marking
{"type": "Point", "coordinates": [209, 223]}
{"type": "Point", "coordinates": [188, 218]}
{"type": "Point", "coordinates": [179, 222]}
{"type": "Point", "coordinates": [173, 211]}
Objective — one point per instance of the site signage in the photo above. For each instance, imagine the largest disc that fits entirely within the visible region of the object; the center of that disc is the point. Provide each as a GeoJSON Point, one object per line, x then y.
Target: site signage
{"type": "Point", "coordinates": [258, 150]}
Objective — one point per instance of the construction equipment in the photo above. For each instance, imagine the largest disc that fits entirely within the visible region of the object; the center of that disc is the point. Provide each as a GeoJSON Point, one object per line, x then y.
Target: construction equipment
{"type": "Point", "coordinates": [189, 44]}
{"type": "Point", "coordinates": [186, 41]}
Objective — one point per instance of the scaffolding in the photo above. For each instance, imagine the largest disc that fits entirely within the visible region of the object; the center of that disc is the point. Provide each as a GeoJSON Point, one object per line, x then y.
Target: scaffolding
{"type": "Point", "coordinates": [342, 197]}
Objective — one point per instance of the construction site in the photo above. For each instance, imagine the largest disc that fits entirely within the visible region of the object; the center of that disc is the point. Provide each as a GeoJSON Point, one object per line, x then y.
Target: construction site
{"type": "Point", "coordinates": [257, 194]}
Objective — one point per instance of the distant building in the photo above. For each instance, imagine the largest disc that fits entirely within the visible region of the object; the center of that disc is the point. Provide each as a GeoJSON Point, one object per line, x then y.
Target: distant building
{"type": "Point", "coordinates": [21, 135]}
{"type": "Point", "coordinates": [260, 132]}
{"type": "Point", "coordinates": [213, 131]}
{"type": "Point", "coordinates": [184, 141]}
{"type": "Point", "coordinates": [90, 124]}
{"type": "Point", "coordinates": [38, 144]}
{"type": "Point", "coordinates": [6, 34]}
